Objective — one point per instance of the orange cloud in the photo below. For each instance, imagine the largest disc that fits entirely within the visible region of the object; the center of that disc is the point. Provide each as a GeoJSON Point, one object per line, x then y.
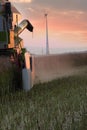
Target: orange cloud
{"type": "Point", "coordinates": [20, 1]}
{"type": "Point", "coordinates": [69, 20]}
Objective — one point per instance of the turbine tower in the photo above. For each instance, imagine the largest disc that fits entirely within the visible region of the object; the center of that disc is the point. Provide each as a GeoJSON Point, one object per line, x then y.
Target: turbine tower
{"type": "Point", "coordinates": [47, 44]}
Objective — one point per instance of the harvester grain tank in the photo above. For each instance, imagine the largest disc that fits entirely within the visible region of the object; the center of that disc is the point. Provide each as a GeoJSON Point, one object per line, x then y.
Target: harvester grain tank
{"type": "Point", "coordinates": [9, 28]}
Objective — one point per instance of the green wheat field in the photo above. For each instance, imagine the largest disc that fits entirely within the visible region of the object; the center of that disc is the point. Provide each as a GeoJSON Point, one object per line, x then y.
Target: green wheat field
{"type": "Point", "coordinates": [57, 105]}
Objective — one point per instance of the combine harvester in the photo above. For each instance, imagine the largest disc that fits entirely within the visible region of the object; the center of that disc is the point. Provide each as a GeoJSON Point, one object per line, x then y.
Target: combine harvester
{"type": "Point", "coordinates": [11, 45]}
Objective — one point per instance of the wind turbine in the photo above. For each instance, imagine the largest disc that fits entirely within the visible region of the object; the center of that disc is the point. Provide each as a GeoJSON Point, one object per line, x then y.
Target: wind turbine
{"type": "Point", "coordinates": [47, 44]}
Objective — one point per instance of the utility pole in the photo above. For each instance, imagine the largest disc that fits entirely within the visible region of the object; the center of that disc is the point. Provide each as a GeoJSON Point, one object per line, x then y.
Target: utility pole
{"type": "Point", "coordinates": [47, 44]}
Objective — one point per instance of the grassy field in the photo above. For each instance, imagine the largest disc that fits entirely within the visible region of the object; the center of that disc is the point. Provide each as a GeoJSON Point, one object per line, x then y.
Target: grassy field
{"type": "Point", "coordinates": [57, 105]}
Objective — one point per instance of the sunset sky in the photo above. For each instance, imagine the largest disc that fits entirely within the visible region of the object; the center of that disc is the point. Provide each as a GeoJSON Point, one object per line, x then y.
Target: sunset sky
{"type": "Point", "coordinates": [67, 24]}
